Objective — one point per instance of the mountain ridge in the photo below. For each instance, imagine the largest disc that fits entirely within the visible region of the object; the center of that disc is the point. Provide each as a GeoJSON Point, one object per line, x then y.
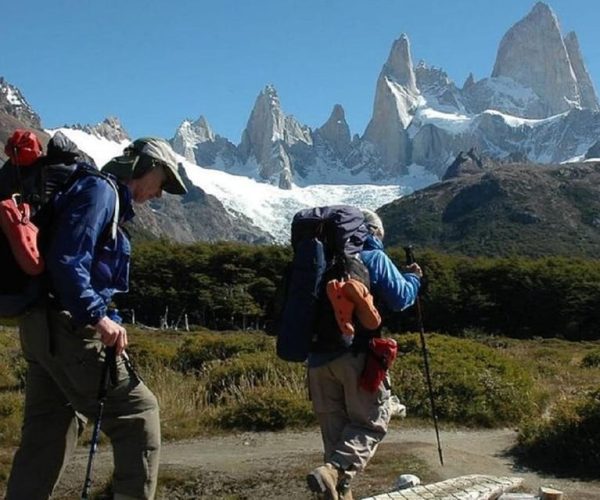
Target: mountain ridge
{"type": "Point", "coordinates": [503, 209]}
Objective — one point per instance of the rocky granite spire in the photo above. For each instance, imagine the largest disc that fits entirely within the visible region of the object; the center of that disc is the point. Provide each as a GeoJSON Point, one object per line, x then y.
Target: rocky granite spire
{"type": "Point", "coordinates": [110, 128]}
{"type": "Point", "coordinates": [399, 66]}
{"type": "Point", "coordinates": [533, 54]}
{"type": "Point", "coordinates": [589, 99]}
{"type": "Point", "coordinates": [336, 131]}
{"type": "Point", "coordinates": [396, 99]}
{"type": "Point", "coordinates": [189, 134]}
{"type": "Point", "coordinates": [469, 82]}
{"type": "Point", "coordinates": [267, 128]}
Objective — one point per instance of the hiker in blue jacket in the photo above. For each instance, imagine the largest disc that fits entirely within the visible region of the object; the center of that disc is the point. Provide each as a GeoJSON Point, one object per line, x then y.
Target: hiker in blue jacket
{"type": "Point", "coordinates": [354, 421]}
{"type": "Point", "coordinates": [63, 336]}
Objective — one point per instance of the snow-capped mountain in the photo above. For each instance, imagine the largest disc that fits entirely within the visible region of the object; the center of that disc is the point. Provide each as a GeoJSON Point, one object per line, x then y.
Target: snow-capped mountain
{"type": "Point", "coordinates": [13, 103]}
{"type": "Point", "coordinates": [538, 103]}
{"type": "Point", "coordinates": [109, 129]}
{"type": "Point", "coordinates": [264, 206]}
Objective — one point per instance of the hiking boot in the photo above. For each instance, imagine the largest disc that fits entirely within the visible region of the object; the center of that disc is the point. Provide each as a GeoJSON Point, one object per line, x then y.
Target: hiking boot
{"type": "Point", "coordinates": [344, 491]}
{"type": "Point", "coordinates": [323, 480]}
{"type": "Point", "coordinates": [345, 494]}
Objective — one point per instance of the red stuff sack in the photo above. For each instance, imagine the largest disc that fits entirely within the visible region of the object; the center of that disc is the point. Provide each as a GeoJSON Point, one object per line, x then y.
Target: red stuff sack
{"type": "Point", "coordinates": [21, 234]}
{"type": "Point", "coordinates": [381, 355]}
{"type": "Point", "coordinates": [23, 148]}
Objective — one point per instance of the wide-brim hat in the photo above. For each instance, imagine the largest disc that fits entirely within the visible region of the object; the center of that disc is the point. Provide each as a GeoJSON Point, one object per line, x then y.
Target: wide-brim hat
{"type": "Point", "coordinates": [155, 149]}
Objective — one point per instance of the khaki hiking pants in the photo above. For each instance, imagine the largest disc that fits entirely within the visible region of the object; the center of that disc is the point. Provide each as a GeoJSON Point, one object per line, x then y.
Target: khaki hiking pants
{"type": "Point", "coordinates": [352, 420]}
{"type": "Point", "coordinates": [64, 371]}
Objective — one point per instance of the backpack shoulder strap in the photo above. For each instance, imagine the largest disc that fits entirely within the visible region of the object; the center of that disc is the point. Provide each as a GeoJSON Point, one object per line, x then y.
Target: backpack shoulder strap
{"type": "Point", "coordinates": [71, 174]}
{"type": "Point", "coordinates": [86, 170]}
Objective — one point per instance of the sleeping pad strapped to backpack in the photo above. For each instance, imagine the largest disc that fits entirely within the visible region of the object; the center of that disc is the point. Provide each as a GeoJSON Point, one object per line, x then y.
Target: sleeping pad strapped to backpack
{"type": "Point", "coordinates": [326, 242]}
{"type": "Point", "coordinates": [28, 182]}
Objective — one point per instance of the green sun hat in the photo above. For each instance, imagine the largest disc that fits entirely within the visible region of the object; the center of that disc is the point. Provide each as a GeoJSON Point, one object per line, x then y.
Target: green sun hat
{"type": "Point", "coordinates": [143, 154]}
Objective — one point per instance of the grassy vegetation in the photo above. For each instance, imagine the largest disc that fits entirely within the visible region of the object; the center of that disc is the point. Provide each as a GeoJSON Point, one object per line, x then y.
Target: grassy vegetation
{"type": "Point", "coordinates": [209, 382]}
{"type": "Point", "coordinates": [474, 384]}
{"type": "Point", "coordinates": [568, 442]}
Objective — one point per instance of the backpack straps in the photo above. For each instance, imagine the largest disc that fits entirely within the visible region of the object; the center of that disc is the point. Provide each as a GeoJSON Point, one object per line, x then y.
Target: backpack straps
{"type": "Point", "coordinates": [114, 225]}
{"type": "Point", "coordinates": [84, 169]}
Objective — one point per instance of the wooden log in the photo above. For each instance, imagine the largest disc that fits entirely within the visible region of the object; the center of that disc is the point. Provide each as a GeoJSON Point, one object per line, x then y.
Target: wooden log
{"type": "Point", "coordinates": [550, 494]}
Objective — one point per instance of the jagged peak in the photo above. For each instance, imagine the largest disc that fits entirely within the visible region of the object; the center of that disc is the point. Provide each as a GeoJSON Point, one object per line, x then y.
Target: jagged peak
{"type": "Point", "coordinates": [337, 113]}
{"type": "Point", "coordinates": [270, 92]}
{"type": "Point", "coordinates": [110, 128]}
{"type": "Point", "coordinates": [202, 122]}
{"type": "Point", "coordinates": [541, 15]}
{"type": "Point", "coordinates": [199, 129]}
{"type": "Point", "coordinates": [571, 37]}
{"type": "Point", "coordinates": [587, 92]}
{"type": "Point", "coordinates": [542, 9]}
{"type": "Point", "coordinates": [399, 64]}
{"type": "Point", "coordinates": [469, 82]}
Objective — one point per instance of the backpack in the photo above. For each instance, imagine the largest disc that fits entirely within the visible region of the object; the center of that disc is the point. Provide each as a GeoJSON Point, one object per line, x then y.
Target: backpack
{"type": "Point", "coordinates": [326, 242]}
{"type": "Point", "coordinates": [28, 182]}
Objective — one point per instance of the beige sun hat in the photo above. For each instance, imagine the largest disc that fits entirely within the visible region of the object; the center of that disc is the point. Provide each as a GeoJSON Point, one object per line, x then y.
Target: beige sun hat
{"type": "Point", "coordinates": [146, 153]}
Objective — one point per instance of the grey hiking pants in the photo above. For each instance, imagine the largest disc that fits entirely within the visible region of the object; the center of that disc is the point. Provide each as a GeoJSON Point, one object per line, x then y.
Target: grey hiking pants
{"type": "Point", "coordinates": [352, 420]}
{"type": "Point", "coordinates": [64, 371]}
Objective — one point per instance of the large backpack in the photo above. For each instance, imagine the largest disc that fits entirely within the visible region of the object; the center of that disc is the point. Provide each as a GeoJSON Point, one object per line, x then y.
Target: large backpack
{"type": "Point", "coordinates": [35, 179]}
{"type": "Point", "coordinates": [326, 242]}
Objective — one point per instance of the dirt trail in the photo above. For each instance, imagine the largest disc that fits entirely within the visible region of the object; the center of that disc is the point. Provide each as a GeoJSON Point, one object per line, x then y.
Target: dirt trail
{"type": "Point", "coordinates": [273, 465]}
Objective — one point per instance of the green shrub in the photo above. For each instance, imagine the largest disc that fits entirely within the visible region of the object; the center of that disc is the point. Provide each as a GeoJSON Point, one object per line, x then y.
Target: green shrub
{"type": "Point", "coordinates": [472, 383]}
{"type": "Point", "coordinates": [249, 370]}
{"type": "Point", "coordinates": [150, 349]}
{"type": "Point", "coordinates": [265, 408]}
{"type": "Point", "coordinates": [198, 350]}
{"type": "Point", "coordinates": [591, 359]}
{"type": "Point", "coordinates": [567, 443]}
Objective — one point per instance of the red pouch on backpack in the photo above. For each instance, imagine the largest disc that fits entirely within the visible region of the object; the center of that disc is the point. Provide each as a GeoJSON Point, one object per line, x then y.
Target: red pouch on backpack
{"type": "Point", "coordinates": [23, 148]}
{"type": "Point", "coordinates": [381, 355]}
{"type": "Point", "coordinates": [21, 234]}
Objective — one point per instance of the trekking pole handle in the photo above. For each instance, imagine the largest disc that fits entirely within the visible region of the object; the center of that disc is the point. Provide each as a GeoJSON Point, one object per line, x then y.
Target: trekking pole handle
{"type": "Point", "coordinates": [410, 256]}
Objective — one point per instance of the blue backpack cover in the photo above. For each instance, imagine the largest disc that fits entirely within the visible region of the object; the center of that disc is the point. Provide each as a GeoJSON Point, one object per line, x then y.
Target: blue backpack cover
{"type": "Point", "coordinates": [320, 236]}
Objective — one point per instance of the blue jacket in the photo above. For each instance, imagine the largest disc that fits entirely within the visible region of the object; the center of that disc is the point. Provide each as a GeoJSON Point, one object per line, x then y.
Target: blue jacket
{"type": "Point", "coordinates": [395, 289]}
{"type": "Point", "coordinates": [86, 265]}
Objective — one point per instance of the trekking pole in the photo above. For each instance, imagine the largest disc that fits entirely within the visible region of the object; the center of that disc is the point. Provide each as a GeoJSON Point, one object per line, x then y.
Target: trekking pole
{"type": "Point", "coordinates": [108, 374]}
{"type": "Point", "coordinates": [410, 258]}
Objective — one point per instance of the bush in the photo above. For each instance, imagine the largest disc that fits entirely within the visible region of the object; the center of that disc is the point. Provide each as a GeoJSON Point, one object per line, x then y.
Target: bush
{"type": "Point", "coordinates": [249, 370]}
{"type": "Point", "coordinates": [267, 409]}
{"type": "Point", "coordinates": [591, 360]}
{"type": "Point", "coordinates": [152, 349]}
{"type": "Point", "coordinates": [198, 350]}
{"type": "Point", "coordinates": [472, 383]}
{"type": "Point", "coordinates": [569, 442]}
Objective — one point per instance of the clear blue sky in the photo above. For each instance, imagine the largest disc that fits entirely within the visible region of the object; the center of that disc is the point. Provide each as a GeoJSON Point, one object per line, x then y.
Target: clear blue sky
{"type": "Point", "coordinates": [153, 63]}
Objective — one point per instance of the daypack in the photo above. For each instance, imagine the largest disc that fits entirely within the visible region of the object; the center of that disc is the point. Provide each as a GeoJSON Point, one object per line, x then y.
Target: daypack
{"type": "Point", "coordinates": [326, 242]}
{"type": "Point", "coordinates": [28, 183]}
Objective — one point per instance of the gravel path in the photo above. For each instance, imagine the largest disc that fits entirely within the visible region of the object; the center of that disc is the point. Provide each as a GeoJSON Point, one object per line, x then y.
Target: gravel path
{"type": "Point", "coordinates": [260, 465]}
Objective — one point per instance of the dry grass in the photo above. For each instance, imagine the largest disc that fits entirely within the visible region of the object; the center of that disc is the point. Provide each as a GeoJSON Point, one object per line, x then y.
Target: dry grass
{"type": "Point", "coordinates": [250, 388]}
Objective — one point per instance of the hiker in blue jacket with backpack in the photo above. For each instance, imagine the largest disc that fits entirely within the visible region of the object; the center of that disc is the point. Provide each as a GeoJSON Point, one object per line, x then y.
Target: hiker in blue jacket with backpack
{"type": "Point", "coordinates": [353, 420]}
{"type": "Point", "coordinates": [64, 335]}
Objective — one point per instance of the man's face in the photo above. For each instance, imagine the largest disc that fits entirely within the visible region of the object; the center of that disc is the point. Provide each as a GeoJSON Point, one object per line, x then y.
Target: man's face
{"type": "Point", "coordinates": [148, 186]}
